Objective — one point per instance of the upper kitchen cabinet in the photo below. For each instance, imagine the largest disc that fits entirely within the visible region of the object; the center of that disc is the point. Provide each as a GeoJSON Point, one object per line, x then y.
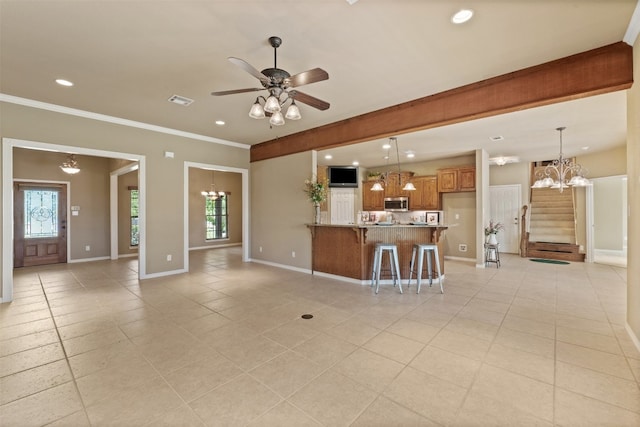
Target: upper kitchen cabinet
{"type": "Point", "coordinates": [426, 196]}
{"type": "Point", "coordinates": [394, 184]}
{"type": "Point", "coordinates": [372, 200]}
{"type": "Point", "coordinates": [451, 180]}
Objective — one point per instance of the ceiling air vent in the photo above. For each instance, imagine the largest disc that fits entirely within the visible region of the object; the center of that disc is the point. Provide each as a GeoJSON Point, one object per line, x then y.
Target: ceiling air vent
{"type": "Point", "coordinates": [180, 100]}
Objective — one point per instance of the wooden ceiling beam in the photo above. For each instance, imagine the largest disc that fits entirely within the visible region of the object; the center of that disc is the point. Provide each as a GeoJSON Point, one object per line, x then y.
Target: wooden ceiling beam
{"type": "Point", "coordinates": [597, 71]}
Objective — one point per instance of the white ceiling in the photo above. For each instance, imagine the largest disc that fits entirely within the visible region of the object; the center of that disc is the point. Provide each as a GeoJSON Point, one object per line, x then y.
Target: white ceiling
{"type": "Point", "coordinates": [127, 58]}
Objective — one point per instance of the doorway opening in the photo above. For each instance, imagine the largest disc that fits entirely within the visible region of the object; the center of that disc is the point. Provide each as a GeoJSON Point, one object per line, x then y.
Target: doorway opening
{"type": "Point", "coordinates": [8, 146]}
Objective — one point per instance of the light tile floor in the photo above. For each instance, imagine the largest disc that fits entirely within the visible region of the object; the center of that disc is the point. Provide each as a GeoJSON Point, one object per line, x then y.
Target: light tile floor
{"type": "Point", "coordinates": [526, 344]}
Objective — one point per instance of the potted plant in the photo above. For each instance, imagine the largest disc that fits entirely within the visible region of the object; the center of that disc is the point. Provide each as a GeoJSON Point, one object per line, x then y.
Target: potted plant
{"type": "Point", "coordinates": [317, 193]}
{"type": "Point", "coordinates": [491, 232]}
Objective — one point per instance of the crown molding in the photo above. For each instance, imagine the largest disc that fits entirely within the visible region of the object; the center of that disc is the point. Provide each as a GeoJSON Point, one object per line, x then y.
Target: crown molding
{"type": "Point", "coordinates": [633, 29]}
{"type": "Point", "coordinates": [116, 120]}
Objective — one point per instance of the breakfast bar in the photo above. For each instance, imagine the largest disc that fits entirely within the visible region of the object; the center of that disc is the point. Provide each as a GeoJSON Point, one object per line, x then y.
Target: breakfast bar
{"type": "Point", "coordinates": [347, 250]}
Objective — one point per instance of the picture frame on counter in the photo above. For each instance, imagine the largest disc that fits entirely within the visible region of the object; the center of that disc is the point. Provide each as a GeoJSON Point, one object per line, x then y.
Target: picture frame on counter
{"type": "Point", "coordinates": [432, 218]}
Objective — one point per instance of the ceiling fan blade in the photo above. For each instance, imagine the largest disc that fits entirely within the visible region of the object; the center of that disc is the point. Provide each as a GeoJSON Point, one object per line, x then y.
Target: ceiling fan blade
{"type": "Point", "coordinates": [309, 100]}
{"type": "Point", "coordinates": [249, 69]}
{"type": "Point", "coordinates": [306, 77]}
{"type": "Point", "coordinates": [231, 92]}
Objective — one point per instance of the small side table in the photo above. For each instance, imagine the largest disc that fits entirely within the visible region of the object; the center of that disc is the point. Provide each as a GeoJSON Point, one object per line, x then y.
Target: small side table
{"type": "Point", "coordinates": [492, 254]}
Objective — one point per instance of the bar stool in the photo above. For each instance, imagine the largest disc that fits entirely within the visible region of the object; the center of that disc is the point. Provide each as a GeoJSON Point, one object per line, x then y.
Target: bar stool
{"type": "Point", "coordinates": [379, 251]}
{"type": "Point", "coordinates": [492, 254]}
{"type": "Point", "coordinates": [421, 249]}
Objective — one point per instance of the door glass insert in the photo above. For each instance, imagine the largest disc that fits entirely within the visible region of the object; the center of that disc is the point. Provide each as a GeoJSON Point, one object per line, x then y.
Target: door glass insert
{"type": "Point", "coordinates": [41, 214]}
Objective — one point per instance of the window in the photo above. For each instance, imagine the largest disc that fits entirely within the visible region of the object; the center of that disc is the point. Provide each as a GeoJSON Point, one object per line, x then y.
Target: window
{"type": "Point", "coordinates": [133, 214]}
{"type": "Point", "coordinates": [41, 213]}
{"type": "Point", "coordinates": [217, 217]}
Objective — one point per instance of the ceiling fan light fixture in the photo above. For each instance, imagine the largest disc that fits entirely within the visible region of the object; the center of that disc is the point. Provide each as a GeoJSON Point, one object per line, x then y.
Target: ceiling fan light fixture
{"type": "Point", "coordinates": [272, 105]}
{"type": "Point", "coordinates": [293, 112]}
{"type": "Point", "coordinates": [276, 119]}
{"type": "Point", "coordinates": [257, 112]}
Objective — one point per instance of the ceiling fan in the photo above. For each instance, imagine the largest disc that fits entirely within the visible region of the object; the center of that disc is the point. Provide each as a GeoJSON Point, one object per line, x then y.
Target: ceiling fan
{"type": "Point", "coordinates": [280, 85]}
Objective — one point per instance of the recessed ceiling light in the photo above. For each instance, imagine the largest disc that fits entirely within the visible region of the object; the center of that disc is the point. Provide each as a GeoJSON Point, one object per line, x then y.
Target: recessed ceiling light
{"type": "Point", "coordinates": [220, 122]}
{"type": "Point", "coordinates": [63, 82]}
{"type": "Point", "coordinates": [328, 156]}
{"type": "Point", "coordinates": [386, 146]}
{"type": "Point", "coordinates": [585, 148]}
{"type": "Point", "coordinates": [355, 163]}
{"type": "Point", "coordinates": [496, 138]}
{"type": "Point", "coordinates": [411, 155]}
{"type": "Point", "coordinates": [462, 16]}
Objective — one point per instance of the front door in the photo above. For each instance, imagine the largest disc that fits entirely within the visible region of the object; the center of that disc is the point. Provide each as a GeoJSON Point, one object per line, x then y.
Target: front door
{"type": "Point", "coordinates": [40, 224]}
{"type": "Point", "coordinates": [504, 201]}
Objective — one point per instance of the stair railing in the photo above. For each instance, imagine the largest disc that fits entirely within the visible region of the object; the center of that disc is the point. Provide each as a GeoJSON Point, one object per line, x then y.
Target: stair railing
{"type": "Point", "coordinates": [575, 216]}
{"type": "Point", "coordinates": [524, 234]}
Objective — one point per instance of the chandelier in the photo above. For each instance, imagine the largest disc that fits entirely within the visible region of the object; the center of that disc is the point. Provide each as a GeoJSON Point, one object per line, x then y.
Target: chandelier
{"type": "Point", "coordinates": [384, 178]}
{"type": "Point", "coordinates": [273, 105]}
{"type": "Point", "coordinates": [561, 173]}
{"type": "Point", "coordinates": [70, 165]}
{"type": "Point", "coordinates": [212, 193]}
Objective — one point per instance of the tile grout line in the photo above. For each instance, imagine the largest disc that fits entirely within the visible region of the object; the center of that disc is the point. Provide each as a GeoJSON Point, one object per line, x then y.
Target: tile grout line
{"type": "Point", "coordinates": [64, 351]}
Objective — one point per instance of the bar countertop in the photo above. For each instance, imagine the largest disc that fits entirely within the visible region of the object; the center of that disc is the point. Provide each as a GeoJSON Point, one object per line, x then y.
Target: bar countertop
{"type": "Point", "coordinates": [377, 224]}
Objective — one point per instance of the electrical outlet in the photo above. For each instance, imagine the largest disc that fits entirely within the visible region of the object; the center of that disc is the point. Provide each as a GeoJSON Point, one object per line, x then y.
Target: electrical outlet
{"type": "Point", "coordinates": [87, 248]}
{"type": "Point", "coordinates": [462, 247]}
{"type": "Point", "coordinates": [260, 249]}
{"type": "Point", "coordinates": [169, 257]}
{"type": "Point", "coordinates": [293, 254]}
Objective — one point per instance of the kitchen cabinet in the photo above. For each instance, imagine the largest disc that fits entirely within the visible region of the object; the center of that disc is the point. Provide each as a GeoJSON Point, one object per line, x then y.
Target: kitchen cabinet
{"type": "Point", "coordinates": [426, 196]}
{"type": "Point", "coordinates": [452, 180]}
{"type": "Point", "coordinates": [394, 184]}
{"type": "Point", "coordinates": [372, 200]}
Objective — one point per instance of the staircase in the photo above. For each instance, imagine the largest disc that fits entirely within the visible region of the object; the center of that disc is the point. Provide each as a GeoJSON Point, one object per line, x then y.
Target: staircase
{"type": "Point", "coordinates": [552, 227]}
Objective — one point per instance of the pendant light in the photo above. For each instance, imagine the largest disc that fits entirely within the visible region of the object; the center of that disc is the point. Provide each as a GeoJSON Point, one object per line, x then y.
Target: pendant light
{"type": "Point", "coordinates": [409, 185]}
{"type": "Point", "coordinates": [70, 165]}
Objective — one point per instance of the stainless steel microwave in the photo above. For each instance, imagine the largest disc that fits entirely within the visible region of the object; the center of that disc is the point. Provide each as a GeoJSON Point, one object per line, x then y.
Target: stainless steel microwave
{"type": "Point", "coordinates": [396, 204]}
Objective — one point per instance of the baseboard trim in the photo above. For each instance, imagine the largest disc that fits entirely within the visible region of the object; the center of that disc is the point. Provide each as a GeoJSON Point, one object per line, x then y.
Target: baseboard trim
{"type": "Point", "coordinates": [100, 258]}
{"type": "Point", "coordinates": [284, 266]}
{"type": "Point", "coordinates": [224, 245]}
{"type": "Point", "coordinates": [632, 335]}
{"type": "Point", "coordinates": [163, 274]}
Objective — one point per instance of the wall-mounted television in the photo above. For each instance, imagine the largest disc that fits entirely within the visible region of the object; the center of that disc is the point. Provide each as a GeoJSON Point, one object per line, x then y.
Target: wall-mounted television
{"type": "Point", "coordinates": [343, 176]}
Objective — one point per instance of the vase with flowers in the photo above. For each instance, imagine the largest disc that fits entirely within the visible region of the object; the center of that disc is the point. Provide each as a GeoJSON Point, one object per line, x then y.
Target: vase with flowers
{"type": "Point", "coordinates": [491, 231]}
{"type": "Point", "coordinates": [317, 192]}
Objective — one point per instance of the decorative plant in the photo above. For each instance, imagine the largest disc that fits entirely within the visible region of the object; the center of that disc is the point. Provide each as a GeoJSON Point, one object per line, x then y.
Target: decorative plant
{"type": "Point", "coordinates": [493, 228]}
{"type": "Point", "coordinates": [316, 191]}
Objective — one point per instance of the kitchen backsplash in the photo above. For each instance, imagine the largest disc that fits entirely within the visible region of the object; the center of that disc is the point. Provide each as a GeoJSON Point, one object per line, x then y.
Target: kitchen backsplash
{"type": "Point", "coordinates": [429, 217]}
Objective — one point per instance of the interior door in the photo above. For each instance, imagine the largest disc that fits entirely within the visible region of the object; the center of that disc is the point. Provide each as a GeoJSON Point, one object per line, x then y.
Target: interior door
{"type": "Point", "coordinates": [40, 224]}
{"type": "Point", "coordinates": [505, 201]}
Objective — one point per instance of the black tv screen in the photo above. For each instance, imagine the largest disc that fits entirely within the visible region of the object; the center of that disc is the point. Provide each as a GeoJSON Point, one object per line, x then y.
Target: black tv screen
{"type": "Point", "coordinates": [343, 176]}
